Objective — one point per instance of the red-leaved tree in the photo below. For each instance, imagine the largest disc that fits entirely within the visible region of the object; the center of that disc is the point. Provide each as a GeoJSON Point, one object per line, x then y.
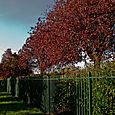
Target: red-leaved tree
{"type": "Point", "coordinates": [72, 28]}
{"type": "Point", "coordinates": [87, 24]}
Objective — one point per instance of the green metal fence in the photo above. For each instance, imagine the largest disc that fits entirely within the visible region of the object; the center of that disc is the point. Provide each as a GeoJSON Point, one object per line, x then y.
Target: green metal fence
{"type": "Point", "coordinates": [82, 96]}
{"type": "Point", "coordinates": [70, 96]}
{"type": "Point", "coordinates": [95, 96]}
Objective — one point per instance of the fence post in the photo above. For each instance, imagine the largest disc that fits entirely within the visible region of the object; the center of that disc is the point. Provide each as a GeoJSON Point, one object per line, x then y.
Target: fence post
{"type": "Point", "coordinates": [46, 95]}
{"type": "Point", "coordinates": [49, 92]}
{"type": "Point", "coordinates": [90, 93]}
{"type": "Point", "coordinates": [17, 87]}
{"type": "Point", "coordinates": [9, 85]}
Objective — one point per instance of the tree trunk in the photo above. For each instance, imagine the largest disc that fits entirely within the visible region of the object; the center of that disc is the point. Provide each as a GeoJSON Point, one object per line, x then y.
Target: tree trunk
{"type": "Point", "coordinates": [97, 62]}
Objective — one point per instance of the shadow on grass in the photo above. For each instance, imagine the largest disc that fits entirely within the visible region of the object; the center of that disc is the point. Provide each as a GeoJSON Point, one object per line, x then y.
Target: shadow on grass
{"type": "Point", "coordinates": [14, 106]}
{"type": "Point", "coordinates": [8, 98]}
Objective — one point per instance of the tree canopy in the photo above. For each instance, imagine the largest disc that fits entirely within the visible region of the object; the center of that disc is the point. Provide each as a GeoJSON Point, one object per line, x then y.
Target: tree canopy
{"type": "Point", "coordinates": [71, 28]}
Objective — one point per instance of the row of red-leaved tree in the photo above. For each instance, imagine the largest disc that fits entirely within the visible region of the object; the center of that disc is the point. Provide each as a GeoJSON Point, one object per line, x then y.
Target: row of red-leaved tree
{"type": "Point", "coordinates": [72, 31]}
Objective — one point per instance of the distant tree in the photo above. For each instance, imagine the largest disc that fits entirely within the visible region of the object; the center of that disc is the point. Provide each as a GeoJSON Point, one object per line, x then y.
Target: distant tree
{"type": "Point", "coordinates": [9, 60]}
{"type": "Point", "coordinates": [24, 62]}
{"type": "Point", "coordinates": [1, 72]}
{"type": "Point", "coordinates": [10, 65]}
{"type": "Point", "coordinates": [7, 54]}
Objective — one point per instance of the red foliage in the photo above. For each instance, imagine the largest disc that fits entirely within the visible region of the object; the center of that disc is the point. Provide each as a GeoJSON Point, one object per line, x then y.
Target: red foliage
{"type": "Point", "coordinates": [9, 64]}
{"type": "Point", "coordinates": [86, 23]}
{"type": "Point", "coordinates": [5, 71]}
{"type": "Point", "coordinates": [72, 27]}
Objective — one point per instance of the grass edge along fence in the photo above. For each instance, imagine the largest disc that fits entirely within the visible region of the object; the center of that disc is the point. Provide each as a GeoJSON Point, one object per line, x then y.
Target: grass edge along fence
{"type": "Point", "coordinates": [90, 95]}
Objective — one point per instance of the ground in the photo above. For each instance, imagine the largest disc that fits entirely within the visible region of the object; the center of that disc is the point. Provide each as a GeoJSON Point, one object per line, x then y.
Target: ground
{"type": "Point", "coordinates": [14, 106]}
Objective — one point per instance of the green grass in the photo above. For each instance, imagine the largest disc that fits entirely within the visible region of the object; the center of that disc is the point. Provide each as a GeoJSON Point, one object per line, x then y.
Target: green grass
{"type": "Point", "coordinates": [14, 106]}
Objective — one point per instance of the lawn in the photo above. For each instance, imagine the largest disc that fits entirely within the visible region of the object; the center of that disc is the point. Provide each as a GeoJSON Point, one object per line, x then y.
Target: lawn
{"type": "Point", "coordinates": [14, 106]}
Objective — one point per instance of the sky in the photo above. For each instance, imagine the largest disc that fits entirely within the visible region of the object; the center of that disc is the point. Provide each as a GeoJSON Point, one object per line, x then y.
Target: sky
{"type": "Point", "coordinates": [16, 18]}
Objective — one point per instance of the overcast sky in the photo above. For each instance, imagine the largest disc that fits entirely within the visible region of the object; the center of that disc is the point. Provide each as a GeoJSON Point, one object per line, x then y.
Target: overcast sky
{"type": "Point", "coordinates": [16, 18]}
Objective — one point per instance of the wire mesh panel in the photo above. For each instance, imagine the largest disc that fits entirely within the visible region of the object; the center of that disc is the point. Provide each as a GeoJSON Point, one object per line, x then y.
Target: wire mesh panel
{"type": "Point", "coordinates": [85, 96]}
{"type": "Point", "coordinates": [48, 95]}
{"type": "Point", "coordinates": [103, 96]}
